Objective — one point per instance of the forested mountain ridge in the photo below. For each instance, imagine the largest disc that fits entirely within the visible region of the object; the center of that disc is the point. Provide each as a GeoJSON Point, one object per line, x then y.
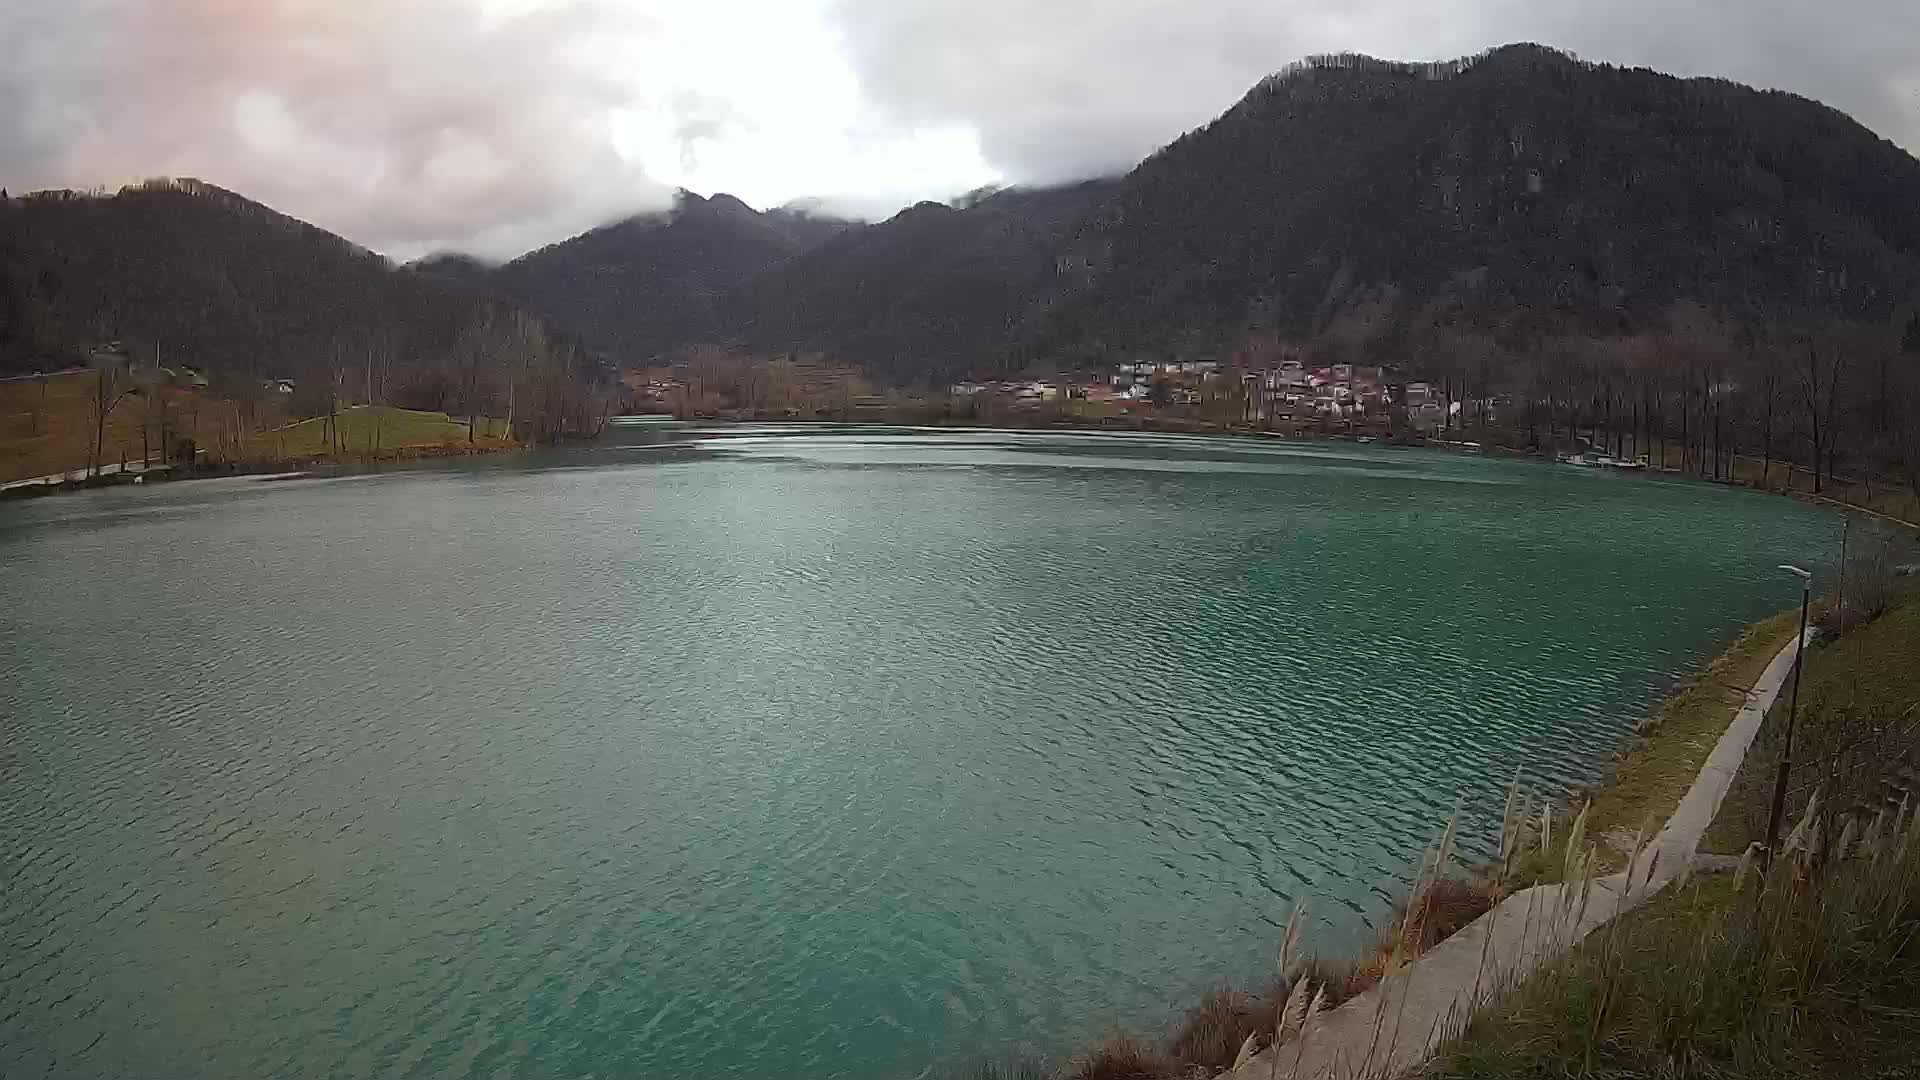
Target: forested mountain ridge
{"type": "Point", "coordinates": [180, 272]}
{"type": "Point", "coordinates": [1346, 202]}
{"type": "Point", "coordinates": [935, 288]}
{"type": "Point", "coordinates": [654, 282]}
{"type": "Point", "coordinates": [1354, 205]}
{"type": "Point", "coordinates": [1353, 198]}
{"type": "Point", "coordinates": [205, 275]}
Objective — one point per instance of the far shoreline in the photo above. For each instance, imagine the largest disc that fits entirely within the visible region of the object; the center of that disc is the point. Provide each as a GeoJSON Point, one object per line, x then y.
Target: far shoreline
{"type": "Point", "coordinates": [405, 456]}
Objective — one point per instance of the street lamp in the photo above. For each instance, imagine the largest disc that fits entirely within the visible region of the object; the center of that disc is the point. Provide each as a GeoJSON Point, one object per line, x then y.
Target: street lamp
{"type": "Point", "coordinates": [1793, 707]}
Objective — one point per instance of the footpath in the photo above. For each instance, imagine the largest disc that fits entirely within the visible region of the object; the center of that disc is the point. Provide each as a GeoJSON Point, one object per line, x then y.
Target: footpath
{"type": "Point", "coordinates": [1393, 1028]}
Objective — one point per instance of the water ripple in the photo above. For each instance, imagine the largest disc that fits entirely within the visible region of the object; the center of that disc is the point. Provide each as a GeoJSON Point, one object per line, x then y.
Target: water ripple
{"type": "Point", "coordinates": [773, 755]}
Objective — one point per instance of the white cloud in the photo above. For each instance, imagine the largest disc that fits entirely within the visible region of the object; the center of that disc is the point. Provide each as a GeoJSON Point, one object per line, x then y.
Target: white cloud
{"type": "Point", "coordinates": [755, 99]}
{"type": "Point", "coordinates": [480, 125]}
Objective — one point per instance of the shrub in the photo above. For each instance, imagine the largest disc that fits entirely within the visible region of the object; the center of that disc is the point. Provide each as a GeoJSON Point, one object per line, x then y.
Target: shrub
{"type": "Point", "coordinates": [1212, 1033]}
{"type": "Point", "coordinates": [1123, 1058]}
{"type": "Point", "coordinates": [1868, 585]}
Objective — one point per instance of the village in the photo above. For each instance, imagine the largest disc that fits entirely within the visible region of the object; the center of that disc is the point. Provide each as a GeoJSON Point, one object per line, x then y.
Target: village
{"type": "Point", "coordinates": [1257, 388]}
{"type": "Point", "coordinates": [1290, 390]}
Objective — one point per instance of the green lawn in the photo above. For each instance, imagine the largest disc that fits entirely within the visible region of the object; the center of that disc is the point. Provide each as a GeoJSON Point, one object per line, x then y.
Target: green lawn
{"type": "Point", "coordinates": [371, 431]}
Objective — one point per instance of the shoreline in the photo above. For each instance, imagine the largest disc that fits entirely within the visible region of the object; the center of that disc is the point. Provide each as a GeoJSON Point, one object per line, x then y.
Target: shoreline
{"type": "Point", "coordinates": [286, 468]}
{"type": "Point", "coordinates": [1374, 437]}
{"type": "Point", "coordinates": [1650, 767]}
{"type": "Point", "coordinates": [1680, 756]}
{"type": "Point", "coordinates": [332, 466]}
{"type": "Point", "coordinates": [1473, 969]}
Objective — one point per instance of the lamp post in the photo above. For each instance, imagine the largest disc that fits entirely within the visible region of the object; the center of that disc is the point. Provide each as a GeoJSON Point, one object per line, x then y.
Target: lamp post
{"type": "Point", "coordinates": [1793, 707]}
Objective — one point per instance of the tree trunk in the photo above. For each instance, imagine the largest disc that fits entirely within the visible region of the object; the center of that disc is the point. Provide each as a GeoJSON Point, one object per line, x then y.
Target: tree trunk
{"type": "Point", "coordinates": [1816, 459]}
{"type": "Point", "coordinates": [1684, 444]}
{"type": "Point", "coordinates": [1657, 423]}
{"type": "Point", "coordinates": [512, 386]}
{"type": "Point", "coordinates": [99, 420]}
{"type": "Point", "coordinates": [1766, 440]}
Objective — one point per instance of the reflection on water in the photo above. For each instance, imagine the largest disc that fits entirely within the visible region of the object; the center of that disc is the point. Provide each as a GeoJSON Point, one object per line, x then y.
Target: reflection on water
{"type": "Point", "coordinates": [770, 753]}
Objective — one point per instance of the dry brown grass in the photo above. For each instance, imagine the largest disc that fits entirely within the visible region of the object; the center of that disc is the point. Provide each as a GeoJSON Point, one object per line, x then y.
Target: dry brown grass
{"type": "Point", "coordinates": [1125, 1058]}
{"type": "Point", "coordinates": [1211, 1034]}
{"type": "Point", "coordinates": [1450, 904]}
{"type": "Point", "coordinates": [1209, 1038]}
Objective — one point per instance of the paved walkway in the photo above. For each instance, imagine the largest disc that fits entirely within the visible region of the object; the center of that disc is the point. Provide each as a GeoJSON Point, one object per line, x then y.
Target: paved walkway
{"type": "Point", "coordinates": [1390, 1030]}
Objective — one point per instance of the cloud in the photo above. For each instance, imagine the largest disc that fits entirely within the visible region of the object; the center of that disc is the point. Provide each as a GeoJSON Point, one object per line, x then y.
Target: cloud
{"type": "Point", "coordinates": [493, 126]}
{"type": "Point", "coordinates": [1059, 89]}
{"type": "Point", "coordinates": [488, 126]}
{"type": "Point", "coordinates": [408, 126]}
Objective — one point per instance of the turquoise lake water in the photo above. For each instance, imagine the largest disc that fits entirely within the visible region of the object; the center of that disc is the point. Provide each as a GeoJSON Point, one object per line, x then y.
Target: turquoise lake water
{"type": "Point", "coordinates": [774, 753]}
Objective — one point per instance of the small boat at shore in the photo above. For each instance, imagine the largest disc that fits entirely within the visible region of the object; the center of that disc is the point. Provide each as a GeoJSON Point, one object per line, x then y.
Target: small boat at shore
{"type": "Point", "coordinates": [1601, 461]}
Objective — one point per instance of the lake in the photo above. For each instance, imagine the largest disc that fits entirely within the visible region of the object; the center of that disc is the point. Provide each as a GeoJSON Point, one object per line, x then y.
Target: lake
{"type": "Point", "coordinates": [776, 753]}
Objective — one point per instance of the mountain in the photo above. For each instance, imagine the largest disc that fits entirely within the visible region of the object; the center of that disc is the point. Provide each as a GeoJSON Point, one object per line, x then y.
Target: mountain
{"type": "Point", "coordinates": [455, 268]}
{"type": "Point", "coordinates": [188, 270]}
{"type": "Point", "coordinates": [1354, 204]}
{"type": "Point", "coordinates": [1354, 198]}
{"type": "Point", "coordinates": [933, 289]}
{"type": "Point", "coordinates": [183, 272]}
{"type": "Point", "coordinates": [653, 283]}
{"type": "Point", "coordinates": [1344, 201]}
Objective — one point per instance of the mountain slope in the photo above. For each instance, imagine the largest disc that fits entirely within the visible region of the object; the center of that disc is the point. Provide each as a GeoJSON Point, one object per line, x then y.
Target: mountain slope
{"type": "Point", "coordinates": [932, 290]}
{"type": "Point", "coordinates": [1345, 200]}
{"type": "Point", "coordinates": [653, 283]}
{"type": "Point", "coordinates": [207, 277]}
{"type": "Point", "coordinates": [1522, 187]}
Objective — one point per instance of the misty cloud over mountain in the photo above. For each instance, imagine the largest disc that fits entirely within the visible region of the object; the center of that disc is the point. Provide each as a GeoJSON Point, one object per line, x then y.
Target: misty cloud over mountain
{"type": "Point", "coordinates": [495, 126]}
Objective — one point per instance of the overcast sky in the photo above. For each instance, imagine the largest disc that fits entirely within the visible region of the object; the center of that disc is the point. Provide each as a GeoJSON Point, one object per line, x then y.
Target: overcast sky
{"type": "Point", "coordinates": [494, 126]}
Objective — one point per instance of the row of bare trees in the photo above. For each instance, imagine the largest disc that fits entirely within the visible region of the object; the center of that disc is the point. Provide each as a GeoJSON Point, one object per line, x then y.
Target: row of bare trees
{"type": "Point", "coordinates": [502, 371]}
{"type": "Point", "coordinates": [1798, 405]}
{"type": "Point", "coordinates": [719, 382]}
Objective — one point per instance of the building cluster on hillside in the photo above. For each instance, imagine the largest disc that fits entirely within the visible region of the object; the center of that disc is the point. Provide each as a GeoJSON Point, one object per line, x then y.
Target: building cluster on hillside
{"type": "Point", "coordinates": [1341, 391]}
{"type": "Point", "coordinates": [1279, 381]}
{"type": "Point", "coordinates": [1265, 383]}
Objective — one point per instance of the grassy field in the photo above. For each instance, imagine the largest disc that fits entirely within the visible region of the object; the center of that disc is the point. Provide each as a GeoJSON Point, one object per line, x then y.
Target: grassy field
{"type": "Point", "coordinates": [373, 431]}
{"type": "Point", "coordinates": [1772, 977]}
{"type": "Point", "coordinates": [1857, 725]}
{"type": "Point", "coordinates": [47, 427]}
